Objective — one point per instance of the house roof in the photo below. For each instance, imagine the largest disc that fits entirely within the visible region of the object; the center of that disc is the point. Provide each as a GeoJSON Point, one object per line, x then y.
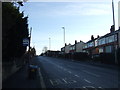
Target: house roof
{"type": "Point", "coordinates": [91, 40]}
{"type": "Point", "coordinates": [109, 34]}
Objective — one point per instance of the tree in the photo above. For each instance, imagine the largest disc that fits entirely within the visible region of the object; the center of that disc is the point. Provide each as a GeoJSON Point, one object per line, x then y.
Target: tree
{"type": "Point", "coordinates": [33, 51]}
{"type": "Point", "coordinates": [14, 29]}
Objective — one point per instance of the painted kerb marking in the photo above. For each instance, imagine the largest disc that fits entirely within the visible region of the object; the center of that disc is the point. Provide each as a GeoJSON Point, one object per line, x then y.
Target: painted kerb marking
{"type": "Point", "coordinates": [41, 79]}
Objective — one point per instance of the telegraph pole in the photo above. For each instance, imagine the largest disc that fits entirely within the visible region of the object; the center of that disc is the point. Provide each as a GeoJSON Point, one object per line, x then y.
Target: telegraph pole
{"type": "Point", "coordinates": [114, 33]}
{"type": "Point", "coordinates": [29, 44]}
{"type": "Point", "coordinates": [64, 34]}
{"type": "Point", "coordinates": [49, 43]}
{"type": "Point", "coordinates": [113, 14]}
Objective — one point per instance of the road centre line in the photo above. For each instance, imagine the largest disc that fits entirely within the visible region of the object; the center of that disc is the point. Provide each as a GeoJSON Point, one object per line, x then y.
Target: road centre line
{"type": "Point", "coordinates": [77, 76]}
{"type": "Point", "coordinates": [69, 71]}
{"type": "Point", "coordinates": [91, 73]}
{"type": "Point", "coordinates": [87, 81]}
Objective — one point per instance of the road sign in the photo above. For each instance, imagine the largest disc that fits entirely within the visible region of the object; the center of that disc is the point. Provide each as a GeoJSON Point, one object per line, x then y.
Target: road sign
{"type": "Point", "coordinates": [25, 42]}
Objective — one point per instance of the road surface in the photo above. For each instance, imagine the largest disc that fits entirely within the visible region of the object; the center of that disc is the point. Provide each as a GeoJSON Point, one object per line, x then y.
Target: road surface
{"type": "Point", "coordinates": [59, 73]}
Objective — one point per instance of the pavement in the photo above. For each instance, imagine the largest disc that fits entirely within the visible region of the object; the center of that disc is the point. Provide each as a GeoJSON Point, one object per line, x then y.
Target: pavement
{"type": "Point", "coordinates": [20, 80]}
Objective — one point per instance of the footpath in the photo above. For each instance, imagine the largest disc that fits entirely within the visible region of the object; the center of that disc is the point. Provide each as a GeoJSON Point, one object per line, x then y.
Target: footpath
{"type": "Point", "coordinates": [20, 80]}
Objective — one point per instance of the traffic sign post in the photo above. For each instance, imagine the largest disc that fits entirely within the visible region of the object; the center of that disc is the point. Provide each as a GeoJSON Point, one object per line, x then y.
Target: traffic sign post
{"type": "Point", "coordinates": [26, 42]}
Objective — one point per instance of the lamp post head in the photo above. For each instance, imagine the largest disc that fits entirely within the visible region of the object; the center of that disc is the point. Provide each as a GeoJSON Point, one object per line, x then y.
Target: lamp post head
{"type": "Point", "coordinates": [63, 27]}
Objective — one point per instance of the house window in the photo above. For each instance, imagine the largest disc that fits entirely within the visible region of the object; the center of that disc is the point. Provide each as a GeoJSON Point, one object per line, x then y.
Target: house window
{"type": "Point", "coordinates": [96, 42]}
{"type": "Point", "coordinates": [73, 47]}
{"type": "Point", "coordinates": [103, 41]}
{"type": "Point", "coordinates": [107, 39]}
{"type": "Point", "coordinates": [115, 37]}
{"type": "Point", "coordinates": [111, 38]}
{"type": "Point", "coordinates": [108, 49]}
{"type": "Point", "coordinates": [101, 50]}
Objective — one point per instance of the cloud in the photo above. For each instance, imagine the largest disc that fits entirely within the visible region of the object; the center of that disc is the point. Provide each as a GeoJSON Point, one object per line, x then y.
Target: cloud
{"type": "Point", "coordinates": [70, 0]}
{"type": "Point", "coordinates": [82, 9]}
{"type": "Point", "coordinates": [72, 8]}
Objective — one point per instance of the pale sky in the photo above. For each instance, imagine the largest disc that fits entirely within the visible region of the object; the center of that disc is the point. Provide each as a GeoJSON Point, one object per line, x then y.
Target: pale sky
{"type": "Point", "coordinates": [81, 19]}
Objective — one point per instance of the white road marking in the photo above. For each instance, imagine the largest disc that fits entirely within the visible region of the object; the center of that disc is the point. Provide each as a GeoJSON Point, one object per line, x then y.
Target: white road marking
{"type": "Point", "coordinates": [41, 79]}
{"type": "Point", "coordinates": [69, 71]}
{"type": "Point", "coordinates": [101, 88]}
{"type": "Point", "coordinates": [91, 73]}
{"type": "Point", "coordinates": [51, 82]}
{"type": "Point", "coordinates": [64, 81]}
{"type": "Point", "coordinates": [88, 87]}
{"type": "Point", "coordinates": [54, 82]}
{"type": "Point", "coordinates": [77, 76]}
{"type": "Point", "coordinates": [87, 81]}
{"type": "Point", "coordinates": [64, 69]}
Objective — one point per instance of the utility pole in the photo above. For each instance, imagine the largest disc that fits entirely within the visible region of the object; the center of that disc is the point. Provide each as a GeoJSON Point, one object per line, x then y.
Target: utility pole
{"type": "Point", "coordinates": [49, 43]}
{"type": "Point", "coordinates": [113, 14]}
{"type": "Point", "coordinates": [29, 43]}
{"type": "Point", "coordinates": [114, 33]}
{"type": "Point", "coordinates": [64, 34]}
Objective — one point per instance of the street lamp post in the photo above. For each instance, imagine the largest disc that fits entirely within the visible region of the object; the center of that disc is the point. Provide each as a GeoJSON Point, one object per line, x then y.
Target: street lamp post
{"type": "Point", "coordinates": [64, 34]}
{"type": "Point", "coordinates": [49, 43]}
{"type": "Point", "coordinates": [29, 44]}
{"type": "Point", "coordinates": [114, 33]}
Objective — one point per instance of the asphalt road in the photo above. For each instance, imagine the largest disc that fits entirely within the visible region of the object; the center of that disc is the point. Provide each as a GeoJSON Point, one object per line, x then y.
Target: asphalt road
{"type": "Point", "coordinates": [59, 73]}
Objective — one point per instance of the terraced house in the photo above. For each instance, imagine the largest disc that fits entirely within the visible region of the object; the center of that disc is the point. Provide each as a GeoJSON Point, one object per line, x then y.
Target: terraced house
{"type": "Point", "coordinates": [108, 43]}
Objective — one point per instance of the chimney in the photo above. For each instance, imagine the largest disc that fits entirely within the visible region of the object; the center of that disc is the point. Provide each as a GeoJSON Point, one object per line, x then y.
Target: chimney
{"type": "Point", "coordinates": [112, 29]}
{"type": "Point", "coordinates": [75, 41]}
{"type": "Point", "coordinates": [92, 37]}
{"type": "Point", "coordinates": [65, 44]}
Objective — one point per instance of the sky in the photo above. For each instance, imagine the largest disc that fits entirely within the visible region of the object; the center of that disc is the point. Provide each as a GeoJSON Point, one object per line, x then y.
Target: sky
{"type": "Point", "coordinates": [81, 19]}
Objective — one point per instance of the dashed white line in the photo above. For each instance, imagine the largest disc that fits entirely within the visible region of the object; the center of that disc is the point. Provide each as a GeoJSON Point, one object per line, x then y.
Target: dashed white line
{"type": "Point", "coordinates": [69, 71]}
{"type": "Point", "coordinates": [91, 73]}
{"type": "Point", "coordinates": [77, 76]}
{"type": "Point", "coordinates": [87, 81]}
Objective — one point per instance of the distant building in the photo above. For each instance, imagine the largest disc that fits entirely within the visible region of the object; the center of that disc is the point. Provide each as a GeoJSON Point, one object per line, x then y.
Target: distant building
{"type": "Point", "coordinates": [72, 49]}
{"type": "Point", "coordinates": [52, 53]}
{"type": "Point", "coordinates": [62, 50]}
{"type": "Point", "coordinates": [67, 48]}
{"type": "Point", "coordinates": [79, 46]}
